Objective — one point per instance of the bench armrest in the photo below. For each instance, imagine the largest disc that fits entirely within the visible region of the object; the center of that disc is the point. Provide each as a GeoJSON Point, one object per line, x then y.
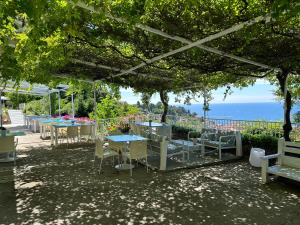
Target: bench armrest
{"type": "Point", "coordinates": [267, 157]}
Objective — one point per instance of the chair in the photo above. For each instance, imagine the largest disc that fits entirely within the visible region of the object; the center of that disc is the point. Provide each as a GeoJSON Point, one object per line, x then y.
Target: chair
{"type": "Point", "coordinates": [221, 140]}
{"type": "Point", "coordinates": [86, 132]}
{"type": "Point", "coordinates": [102, 152]}
{"type": "Point", "coordinates": [62, 134]}
{"type": "Point", "coordinates": [135, 129]}
{"type": "Point", "coordinates": [137, 150]}
{"type": "Point", "coordinates": [165, 130]}
{"type": "Point", "coordinates": [72, 134]}
{"type": "Point", "coordinates": [8, 146]}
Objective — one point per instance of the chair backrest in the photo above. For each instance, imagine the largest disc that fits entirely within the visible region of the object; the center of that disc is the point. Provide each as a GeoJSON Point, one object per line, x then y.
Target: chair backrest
{"type": "Point", "coordinates": [208, 130]}
{"type": "Point", "coordinates": [116, 146]}
{"type": "Point", "coordinates": [165, 131]}
{"type": "Point", "coordinates": [72, 131]}
{"type": "Point", "coordinates": [138, 149]}
{"type": "Point", "coordinates": [7, 144]}
{"type": "Point", "coordinates": [136, 129]}
{"type": "Point", "coordinates": [290, 153]}
{"type": "Point", "coordinates": [99, 150]}
{"type": "Point", "coordinates": [86, 130]}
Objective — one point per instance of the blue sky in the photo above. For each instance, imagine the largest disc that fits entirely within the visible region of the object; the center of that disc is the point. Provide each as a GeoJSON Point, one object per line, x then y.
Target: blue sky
{"type": "Point", "coordinates": [262, 91]}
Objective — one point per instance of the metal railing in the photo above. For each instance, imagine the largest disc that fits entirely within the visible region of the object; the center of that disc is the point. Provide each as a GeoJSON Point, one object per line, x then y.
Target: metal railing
{"type": "Point", "coordinates": [196, 123]}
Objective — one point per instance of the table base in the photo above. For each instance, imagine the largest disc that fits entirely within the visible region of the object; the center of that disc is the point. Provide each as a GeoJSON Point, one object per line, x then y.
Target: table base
{"type": "Point", "coordinates": [124, 166]}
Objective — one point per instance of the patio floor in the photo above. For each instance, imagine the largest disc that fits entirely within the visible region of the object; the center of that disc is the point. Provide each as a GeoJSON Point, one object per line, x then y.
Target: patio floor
{"type": "Point", "coordinates": [60, 186]}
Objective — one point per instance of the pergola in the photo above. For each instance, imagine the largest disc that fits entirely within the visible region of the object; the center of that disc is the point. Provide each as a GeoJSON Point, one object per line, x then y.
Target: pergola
{"type": "Point", "coordinates": [161, 58]}
{"type": "Point", "coordinates": [187, 45]}
{"type": "Point", "coordinates": [37, 90]}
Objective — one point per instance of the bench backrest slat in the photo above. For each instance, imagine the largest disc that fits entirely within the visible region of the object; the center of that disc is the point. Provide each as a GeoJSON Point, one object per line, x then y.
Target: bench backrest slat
{"type": "Point", "coordinates": [289, 147]}
{"type": "Point", "coordinates": [291, 161]}
{"type": "Point", "coordinates": [292, 144]}
{"type": "Point", "coordinates": [292, 150]}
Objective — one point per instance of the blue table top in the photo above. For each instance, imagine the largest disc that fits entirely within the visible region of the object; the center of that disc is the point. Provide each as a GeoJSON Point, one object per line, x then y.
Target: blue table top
{"type": "Point", "coordinates": [125, 138]}
{"type": "Point", "coordinates": [54, 121]}
{"type": "Point", "coordinates": [71, 125]}
{"type": "Point", "coordinates": [147, 124]}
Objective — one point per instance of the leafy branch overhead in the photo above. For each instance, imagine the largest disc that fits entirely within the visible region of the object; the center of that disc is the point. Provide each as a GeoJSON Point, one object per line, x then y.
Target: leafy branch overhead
{"type": "Point", "coordinates": [58, 31]}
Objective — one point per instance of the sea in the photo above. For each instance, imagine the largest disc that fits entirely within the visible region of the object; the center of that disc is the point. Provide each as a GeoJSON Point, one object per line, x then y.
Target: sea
{"type": "Point", "coordinates": [268, 111]}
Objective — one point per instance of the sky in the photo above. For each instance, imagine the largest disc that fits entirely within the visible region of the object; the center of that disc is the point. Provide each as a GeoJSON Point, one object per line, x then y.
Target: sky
{"type": "Point", "coordinates": [261, 91]}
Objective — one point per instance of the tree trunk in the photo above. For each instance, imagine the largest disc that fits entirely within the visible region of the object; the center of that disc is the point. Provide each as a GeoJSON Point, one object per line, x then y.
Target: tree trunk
{"type": "Point", "coordinates": [1, 117]}
{"type": "Point", "coordinates": [287, 126]}
{"type": "Point", "coordinates": [164, 100]}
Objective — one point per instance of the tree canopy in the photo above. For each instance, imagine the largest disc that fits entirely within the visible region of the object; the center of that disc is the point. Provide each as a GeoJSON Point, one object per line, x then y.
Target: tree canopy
{"type": "Point", "coordinates": [132, 43]}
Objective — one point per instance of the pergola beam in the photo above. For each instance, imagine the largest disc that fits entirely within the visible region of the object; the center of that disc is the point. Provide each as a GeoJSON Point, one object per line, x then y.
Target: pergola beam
{"type": "Point", "coordinates": [112, 68]}
{"type": "Point", "coordinates": [180, 39]}
{"type": "Point", "coordinates": [8, 90]}
{"type": "Point", "coordinates": [196, 43]}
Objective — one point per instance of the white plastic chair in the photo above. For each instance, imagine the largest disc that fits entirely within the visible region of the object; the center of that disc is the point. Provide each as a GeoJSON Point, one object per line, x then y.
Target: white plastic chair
{"type": "Point", "coordinates": [86, 132]}
{"type": "Point", "coordinates": [137, 150]}
{"type": "Point", "coordinates": [102, 152]}
{"type": "Point", "coordinates": [8, 146]}
{"type": "Point", "coordinates": [72, 134]}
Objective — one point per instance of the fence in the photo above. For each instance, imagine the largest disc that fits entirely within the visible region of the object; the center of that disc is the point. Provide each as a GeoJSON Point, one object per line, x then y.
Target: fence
{"type": "Point", "coordinates": [196, 123]}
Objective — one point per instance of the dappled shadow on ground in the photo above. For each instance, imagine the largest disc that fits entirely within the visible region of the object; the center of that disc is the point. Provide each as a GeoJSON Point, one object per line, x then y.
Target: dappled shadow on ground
{"type": "Point", "coordinates": [60, 186]}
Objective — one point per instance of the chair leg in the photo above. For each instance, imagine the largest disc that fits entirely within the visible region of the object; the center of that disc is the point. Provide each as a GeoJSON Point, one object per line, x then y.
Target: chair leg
{"type": "Point", "coordinates": [94, 160]}
{"type": "Point", "coordinates": [113, 161]}
{"type": "Point", "coordinates": [100, 166]}
{"type": "Point", "coordinates": [15, 158]}
{"type": "Point", "coordinates": [130, 167]}
{"type": "Point", "coordinates": [147, 165]}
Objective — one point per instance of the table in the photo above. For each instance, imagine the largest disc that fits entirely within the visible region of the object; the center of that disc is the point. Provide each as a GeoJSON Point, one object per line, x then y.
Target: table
{"type": "Point", "coordinates": [56, 126]}
{"type": "Point", "coordinates": [33, 122]}
{"type": "Point", "coordinates": [125, 139]}
{"type": "Point", "coordinates": [7, 133]}
{"type": "Point", "coordinates": [48, 122]}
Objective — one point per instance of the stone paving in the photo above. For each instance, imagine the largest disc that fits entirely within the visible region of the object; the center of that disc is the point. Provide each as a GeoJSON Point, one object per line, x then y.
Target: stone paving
{"type": "Point", "coordinates": [60, 186]}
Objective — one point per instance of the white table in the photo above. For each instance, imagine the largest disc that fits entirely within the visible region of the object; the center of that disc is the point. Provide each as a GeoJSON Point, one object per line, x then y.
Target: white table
{"type": "Point", "coordinates": [55, 127]}
{"type": "Point", "coordinates": [125, 139]}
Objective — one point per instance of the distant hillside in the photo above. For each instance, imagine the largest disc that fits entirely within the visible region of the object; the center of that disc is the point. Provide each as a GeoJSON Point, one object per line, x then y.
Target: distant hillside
{"type": "Point", "coordinates": [158, 109]}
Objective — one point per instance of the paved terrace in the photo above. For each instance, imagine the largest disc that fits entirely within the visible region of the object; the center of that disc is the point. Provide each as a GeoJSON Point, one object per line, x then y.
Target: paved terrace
{"type": "Point", "coordinates": [61, 187]}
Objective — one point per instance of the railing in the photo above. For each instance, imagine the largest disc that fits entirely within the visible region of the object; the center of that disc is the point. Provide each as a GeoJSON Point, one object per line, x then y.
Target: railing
{"type": "Point", "coordinates": [196, 123]}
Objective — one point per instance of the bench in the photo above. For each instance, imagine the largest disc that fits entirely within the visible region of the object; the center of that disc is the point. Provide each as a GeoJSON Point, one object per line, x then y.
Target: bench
{"type": "Point", "coordinates": [288, 162]}
{"type": "Point", "coordinates": [222, 140]}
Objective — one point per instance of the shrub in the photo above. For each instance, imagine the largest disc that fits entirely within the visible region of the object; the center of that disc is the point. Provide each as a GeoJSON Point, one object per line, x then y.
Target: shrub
{"type": "Point", "coordinates": [180, 132]}
{"type": "Point", "coordinates": [266, 142]}
{"type": "Point", "coordinates": [275, 131]}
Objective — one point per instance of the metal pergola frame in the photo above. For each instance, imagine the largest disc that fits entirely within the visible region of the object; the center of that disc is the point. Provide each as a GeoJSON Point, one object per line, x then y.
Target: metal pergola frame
{"type": "Point", "coordinates": [37, 90]}
{"type": "Point", "coordinates": [189, 44]}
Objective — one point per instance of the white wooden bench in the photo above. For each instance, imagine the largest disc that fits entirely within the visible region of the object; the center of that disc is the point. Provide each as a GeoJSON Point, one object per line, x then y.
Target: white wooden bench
{"type": "Point", "coordinates": [288, 162]}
